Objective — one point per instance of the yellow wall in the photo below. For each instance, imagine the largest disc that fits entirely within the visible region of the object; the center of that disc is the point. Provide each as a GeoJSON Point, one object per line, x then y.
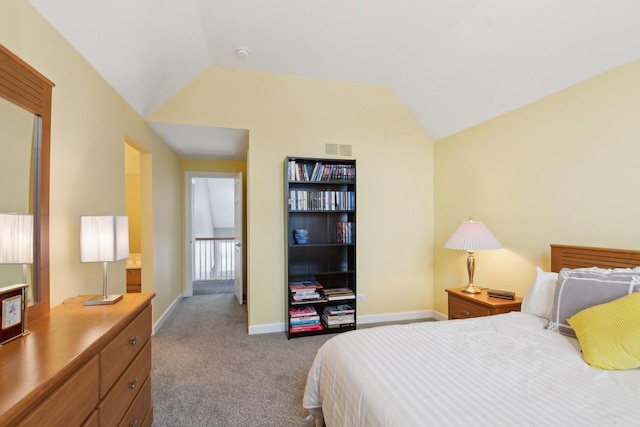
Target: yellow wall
{"type": "Point", "coordinates": [297, 116]}
{"type": "Point", "coordinates": [560, 170]}
{"type": "Point", "coordinates": [89, 126]}
{"type": "Point", "coordinates": [132, 196]}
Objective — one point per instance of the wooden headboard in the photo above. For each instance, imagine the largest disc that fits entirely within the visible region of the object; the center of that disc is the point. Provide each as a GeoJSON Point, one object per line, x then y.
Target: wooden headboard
{"type": "Point", "coordinates": [565, 256]}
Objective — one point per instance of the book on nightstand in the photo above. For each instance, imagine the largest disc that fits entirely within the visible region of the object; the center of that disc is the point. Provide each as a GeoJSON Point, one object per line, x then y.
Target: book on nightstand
{"type": "Point", "coordinates": [495, 293]}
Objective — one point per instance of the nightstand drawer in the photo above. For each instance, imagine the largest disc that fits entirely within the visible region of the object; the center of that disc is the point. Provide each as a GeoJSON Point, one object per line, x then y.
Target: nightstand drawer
{"type": "Point", "coordinates": [459, 309]}
{"type": "Point", "coordinates": [463, 305]}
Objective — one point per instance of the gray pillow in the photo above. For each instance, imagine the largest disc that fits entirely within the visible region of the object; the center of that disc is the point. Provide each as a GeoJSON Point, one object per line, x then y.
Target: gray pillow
{"type": "Point", "coordinates": [583, 288]}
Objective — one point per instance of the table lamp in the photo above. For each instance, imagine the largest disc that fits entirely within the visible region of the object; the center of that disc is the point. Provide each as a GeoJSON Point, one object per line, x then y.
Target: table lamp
{"type": "Point", "coordinates": [471, 236]}
{"type": "Point", "coordinates": [16, 241]}
{"type": "Point", "coordinates": [104, 239]}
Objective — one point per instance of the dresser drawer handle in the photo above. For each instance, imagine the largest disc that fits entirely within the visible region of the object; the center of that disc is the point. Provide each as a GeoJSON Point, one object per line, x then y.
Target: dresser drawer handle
{"type": "Point", "coordinates": [466, 313]}
{"type": "Point", "coordinates": [134, 340]}
{"type": "Point", "coordinates": [133, 384]}
{"type": "Point", "coordinates": [134, 423]}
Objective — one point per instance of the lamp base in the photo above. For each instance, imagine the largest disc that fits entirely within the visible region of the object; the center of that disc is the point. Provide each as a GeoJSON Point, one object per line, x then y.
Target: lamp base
{"type": "Point", "coordinates": [103, 300]}
{"type": "Point", "coordinates": [471, 289]}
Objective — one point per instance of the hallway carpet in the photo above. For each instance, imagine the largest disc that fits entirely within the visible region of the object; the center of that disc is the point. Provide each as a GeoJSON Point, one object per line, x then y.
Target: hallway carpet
{"type": "Point", "coordinates": [213, 287]}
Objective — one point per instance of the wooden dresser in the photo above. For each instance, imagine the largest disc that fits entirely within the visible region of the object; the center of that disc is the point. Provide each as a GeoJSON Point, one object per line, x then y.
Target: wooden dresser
{"type": "Point", "coordinates": [81, 366]}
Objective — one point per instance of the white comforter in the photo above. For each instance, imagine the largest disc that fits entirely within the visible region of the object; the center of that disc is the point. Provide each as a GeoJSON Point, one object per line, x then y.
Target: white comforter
{"type": "Point", "coordinates": [504, 370]}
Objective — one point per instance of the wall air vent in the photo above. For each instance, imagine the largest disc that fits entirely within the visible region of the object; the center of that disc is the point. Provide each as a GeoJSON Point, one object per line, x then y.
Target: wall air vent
{"type": "Point", "coordinates": [337, 149]}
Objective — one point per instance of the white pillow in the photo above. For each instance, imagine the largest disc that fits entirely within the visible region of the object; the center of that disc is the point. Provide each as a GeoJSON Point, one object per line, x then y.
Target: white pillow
{"type": "Point", "coordinates": [539, 298]}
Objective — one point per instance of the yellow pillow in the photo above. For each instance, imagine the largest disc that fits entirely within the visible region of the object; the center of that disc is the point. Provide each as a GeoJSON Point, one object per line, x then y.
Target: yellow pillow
{"type": "Point", "coordinates": [609, 334]}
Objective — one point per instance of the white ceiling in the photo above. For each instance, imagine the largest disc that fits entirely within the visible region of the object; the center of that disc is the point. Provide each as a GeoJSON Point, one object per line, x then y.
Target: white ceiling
{"type": "Point", "coordinates": [453, 63]}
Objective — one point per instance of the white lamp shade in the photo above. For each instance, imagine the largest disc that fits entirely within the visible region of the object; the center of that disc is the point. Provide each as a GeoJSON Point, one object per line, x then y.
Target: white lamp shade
{"type": "Point", "coordinates": [104, 238]}
{"type": "Point", "coordinates": [472, 236]}
{"type": "Point", "coordinates": [16, 239]}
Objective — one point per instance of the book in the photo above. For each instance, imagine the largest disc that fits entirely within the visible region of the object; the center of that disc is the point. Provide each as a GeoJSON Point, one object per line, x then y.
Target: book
{"type": "Point", "coordinates": [341, 325]}
{"type": "Point", "coordinates": [308, 301]}
{"type": "Point", "coordinates": [304, 285]}
{"type": "Point", "coordinates": [306, 328]}
{"type": "Point", "coordinates": [302, 311]}
{"type": "Point", "coordinates": [341, 297]}
{"type": "Point", "coordinates": [337, 291]}
{"type": "Point", "coordinates": [305, 296]}
{"type": "Point", "coordinates": [335, 320]}
{"type": "Point", "coordinates": [304, 320]}
{"type": "Point", "coordinates": [336, 294]}
{"type": "Point", "coordinates": [344, 232]}
{"type": "Point", "coordinates": [339, 309]}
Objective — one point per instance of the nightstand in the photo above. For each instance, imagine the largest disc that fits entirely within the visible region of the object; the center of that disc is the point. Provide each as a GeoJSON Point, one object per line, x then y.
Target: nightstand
{"type": "Point", "coordinates": [463, 305]}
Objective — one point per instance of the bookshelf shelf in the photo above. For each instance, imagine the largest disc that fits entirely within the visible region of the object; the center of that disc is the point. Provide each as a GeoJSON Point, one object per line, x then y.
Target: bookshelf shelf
{"type": "Point", "coordinates": [320, 245]}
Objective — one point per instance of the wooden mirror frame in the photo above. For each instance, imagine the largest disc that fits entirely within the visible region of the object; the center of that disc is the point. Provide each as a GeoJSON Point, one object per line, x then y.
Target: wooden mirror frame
{"type": "Point", "coordinates": [27, 88]}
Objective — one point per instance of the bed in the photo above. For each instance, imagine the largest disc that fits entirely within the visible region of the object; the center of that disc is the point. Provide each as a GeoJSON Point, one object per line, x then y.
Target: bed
{"type": "Point", "coordinates": [503, 370]}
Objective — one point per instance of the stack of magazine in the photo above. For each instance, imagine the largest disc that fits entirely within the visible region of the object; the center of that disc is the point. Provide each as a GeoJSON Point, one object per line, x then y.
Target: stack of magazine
{"type": "Point", "coordinates": [303, 319]}
{"type": "Point", "coordinates": [337, 316]}
{"type": "Point", "coordinates": [336, 294]}
{"type": "Point", "coordinates": [305, 292]}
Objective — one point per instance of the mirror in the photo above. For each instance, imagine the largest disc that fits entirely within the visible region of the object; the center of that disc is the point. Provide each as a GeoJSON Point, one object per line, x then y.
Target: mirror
{"type": "Point", "coordinates": [16, 165]}
{"type": "Point", "coordinates": [25, 129]}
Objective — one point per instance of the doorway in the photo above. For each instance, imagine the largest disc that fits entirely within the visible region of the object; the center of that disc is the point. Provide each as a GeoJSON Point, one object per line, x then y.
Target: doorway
{"type": "Point", "coordinates": [213, 234]}
{"type": "Point", "coordinates": [138, 208]}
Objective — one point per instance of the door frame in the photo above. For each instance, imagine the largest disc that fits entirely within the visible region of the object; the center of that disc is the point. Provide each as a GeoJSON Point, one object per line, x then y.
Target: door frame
{"type": "Point", "coordinates": [188, 215]}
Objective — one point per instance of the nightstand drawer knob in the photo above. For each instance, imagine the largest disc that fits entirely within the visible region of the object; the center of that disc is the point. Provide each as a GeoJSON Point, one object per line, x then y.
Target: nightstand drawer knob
{"type": "Point", "coordinates": [133, 384]}
{"type": "Point", "coordinates": [466, 313]}
{"type": "Point", "coordinates": [133, 341]}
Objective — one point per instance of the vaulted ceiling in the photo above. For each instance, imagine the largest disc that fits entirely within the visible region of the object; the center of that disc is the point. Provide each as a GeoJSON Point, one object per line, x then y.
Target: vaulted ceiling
{"type": "Point", "coordinates": [453, 63]}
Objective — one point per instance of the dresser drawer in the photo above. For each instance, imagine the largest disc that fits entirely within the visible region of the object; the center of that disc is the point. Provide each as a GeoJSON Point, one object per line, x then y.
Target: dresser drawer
{"type": "Point", "coordinates": [120, 352]}
{"type": "Point", "coordinates": [81, 389]}
{"type": "Point", "coordinates": [126, 389]}
{"type": "Point", "coordinates": [140, 408]}
{"type": "Point", "coordinates": [459, 309]}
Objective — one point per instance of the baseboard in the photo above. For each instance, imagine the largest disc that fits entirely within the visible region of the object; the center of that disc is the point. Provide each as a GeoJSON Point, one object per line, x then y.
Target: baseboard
{"type": "Point", "coordinates": [372, 318]}
{"type": "Point", "coordinates": [396, 317]}
{"type": "Point", "coordinates": [439, 316]}
{"type": "Point", "coordinates": [266, 328]}
{"type": "Point", "coordinates": [166, 314]}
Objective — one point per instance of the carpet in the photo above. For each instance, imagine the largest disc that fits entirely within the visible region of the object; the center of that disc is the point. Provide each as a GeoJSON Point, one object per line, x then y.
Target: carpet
{"type": "Point", "coordinates": [213, 287]}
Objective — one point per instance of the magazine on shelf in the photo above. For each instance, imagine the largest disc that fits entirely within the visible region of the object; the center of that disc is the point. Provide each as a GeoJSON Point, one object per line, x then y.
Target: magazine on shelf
{"type": "Point", "coordinates": [341, 325]}
{"type": "Point", "coordinates": [337, 291]}
{"type": "Point", "coordinates": [306, 328]}
{"type": "Point", "coordinates": [306, 297]}
{"type": "Point", "coordinates": [308, 301]}
{"type": "Point", "coordinates": [339, 294]}
{"type": "Point", "coordinates": [339, 309]}
{"type": "Point", "coordinates": [302, 311]}
{"type": "Point", "coordinates": [304, 320]}
{"type": "Point", "coordinates": [334, 320]}
{"type": "Point", "coordinates": [304, 285]}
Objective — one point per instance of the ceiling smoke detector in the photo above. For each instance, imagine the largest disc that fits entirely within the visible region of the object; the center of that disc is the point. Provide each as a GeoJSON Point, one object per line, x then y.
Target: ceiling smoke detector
{"type": "Point", "coordinates": [242, 52]}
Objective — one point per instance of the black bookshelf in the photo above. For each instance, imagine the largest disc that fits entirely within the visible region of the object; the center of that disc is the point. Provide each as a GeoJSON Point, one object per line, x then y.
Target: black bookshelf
{"type": "Point", "coordinates": [320, 197]}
